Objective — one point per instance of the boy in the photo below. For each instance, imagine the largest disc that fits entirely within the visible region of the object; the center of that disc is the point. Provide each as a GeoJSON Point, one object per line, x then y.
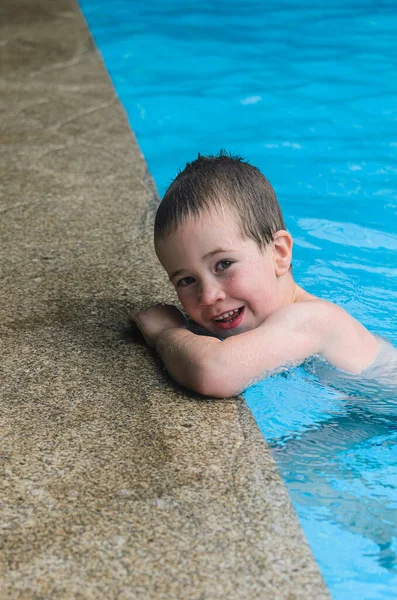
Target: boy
{"type": "Point", "coordinates": [220, 235]}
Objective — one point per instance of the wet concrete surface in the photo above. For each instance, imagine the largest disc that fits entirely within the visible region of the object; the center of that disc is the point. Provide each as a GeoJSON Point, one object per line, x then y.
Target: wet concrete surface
{"type": "Point", "coordinates": [117, 483]}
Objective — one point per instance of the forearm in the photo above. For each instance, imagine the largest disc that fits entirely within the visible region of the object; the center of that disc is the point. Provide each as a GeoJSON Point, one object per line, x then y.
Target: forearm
{"type": "Point", "coordinates": [186, 356]}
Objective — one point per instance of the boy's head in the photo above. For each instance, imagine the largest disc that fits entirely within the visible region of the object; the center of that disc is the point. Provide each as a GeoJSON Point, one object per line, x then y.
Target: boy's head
{"type": "Point", "coordinates": [221, 182]}
{"type": "Point", "coordinates": [220, 236]}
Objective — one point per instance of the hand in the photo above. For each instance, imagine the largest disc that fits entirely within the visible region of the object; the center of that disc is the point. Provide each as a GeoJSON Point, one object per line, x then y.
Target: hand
{"type": "Point", "coordinates": [154, 320]}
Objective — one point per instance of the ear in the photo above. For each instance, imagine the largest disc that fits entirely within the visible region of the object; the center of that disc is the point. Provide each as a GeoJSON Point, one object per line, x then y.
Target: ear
{"type": "Point", "coordinates": [282, 251]}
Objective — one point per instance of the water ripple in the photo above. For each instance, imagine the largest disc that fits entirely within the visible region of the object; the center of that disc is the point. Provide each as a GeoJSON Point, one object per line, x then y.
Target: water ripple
{"type": "Point", "coordinates": [348, 234]}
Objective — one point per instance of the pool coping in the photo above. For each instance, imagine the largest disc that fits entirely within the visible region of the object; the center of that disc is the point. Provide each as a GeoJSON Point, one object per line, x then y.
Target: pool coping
{"type": "Point", "coordinates": [118, 483]}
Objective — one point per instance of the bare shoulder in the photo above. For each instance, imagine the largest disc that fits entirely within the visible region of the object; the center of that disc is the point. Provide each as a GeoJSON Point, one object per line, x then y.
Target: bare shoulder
{"type": "Point", "coordinates": [333, 333]}
{"type": "Point", "coordinates": [310, 312]}
{"type": "Point", "coordinates": [345, 342]}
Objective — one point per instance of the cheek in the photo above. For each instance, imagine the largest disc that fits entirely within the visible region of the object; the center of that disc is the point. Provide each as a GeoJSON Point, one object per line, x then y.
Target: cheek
{"type": "Point", "coordinates": [236, 281]}
{"type": "Point", "coordinates": [186, 301]}
{"type": "Point", "coordinates": [243, 284]}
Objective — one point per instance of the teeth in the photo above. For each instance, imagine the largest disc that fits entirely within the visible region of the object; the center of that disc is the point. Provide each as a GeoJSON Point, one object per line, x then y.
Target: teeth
{"type": "Point", "coordinates": [226, 315]}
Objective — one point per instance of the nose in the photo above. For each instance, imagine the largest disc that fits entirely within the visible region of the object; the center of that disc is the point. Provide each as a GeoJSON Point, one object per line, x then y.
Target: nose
{"type": "Point", "coordinates": [210, 293]}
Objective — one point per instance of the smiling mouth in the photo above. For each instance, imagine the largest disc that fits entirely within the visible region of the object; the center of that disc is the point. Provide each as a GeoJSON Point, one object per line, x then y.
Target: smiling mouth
{"type": "Point", "coordinates": [229, 317]}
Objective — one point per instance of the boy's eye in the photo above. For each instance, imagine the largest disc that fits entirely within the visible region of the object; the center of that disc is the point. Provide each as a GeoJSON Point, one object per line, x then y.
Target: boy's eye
{"type": "Point", "coordinates": [222, 265]}
{"type": "Point", "coordinates": [185, 281]}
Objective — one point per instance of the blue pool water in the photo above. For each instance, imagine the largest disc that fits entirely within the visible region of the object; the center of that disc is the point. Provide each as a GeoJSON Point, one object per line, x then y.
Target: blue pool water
{"type": "Point", "coordinates": [308, 93]}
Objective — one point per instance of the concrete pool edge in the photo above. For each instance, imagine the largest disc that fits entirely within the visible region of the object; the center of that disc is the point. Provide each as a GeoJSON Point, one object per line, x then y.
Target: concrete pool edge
{"type": "Point", "coordinates": [118, 484]}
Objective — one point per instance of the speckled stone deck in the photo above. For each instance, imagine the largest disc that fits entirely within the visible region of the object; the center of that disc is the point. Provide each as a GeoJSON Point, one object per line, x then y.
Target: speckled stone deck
{"type": "Point", "coordinates": [116, 483]}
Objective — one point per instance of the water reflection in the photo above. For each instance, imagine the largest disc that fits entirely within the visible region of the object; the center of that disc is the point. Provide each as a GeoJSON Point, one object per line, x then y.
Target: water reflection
{"type": "Point", "coordinates": [348, 465]}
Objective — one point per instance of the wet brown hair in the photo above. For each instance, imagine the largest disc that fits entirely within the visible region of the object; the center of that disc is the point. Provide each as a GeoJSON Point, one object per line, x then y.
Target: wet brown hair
{"type": "Point", "coordinates": [221, 181]}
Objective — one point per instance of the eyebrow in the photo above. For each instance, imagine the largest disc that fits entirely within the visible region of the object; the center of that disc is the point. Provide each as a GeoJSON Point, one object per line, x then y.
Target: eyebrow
{"type": "Point", "coordinates": [208, 255]}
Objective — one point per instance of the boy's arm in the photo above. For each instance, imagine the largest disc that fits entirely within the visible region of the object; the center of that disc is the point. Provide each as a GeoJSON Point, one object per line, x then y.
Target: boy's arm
{"type": "Point", "coordinates": [164, 328]}
{"type": "Point", "coordinates": [222, 369]}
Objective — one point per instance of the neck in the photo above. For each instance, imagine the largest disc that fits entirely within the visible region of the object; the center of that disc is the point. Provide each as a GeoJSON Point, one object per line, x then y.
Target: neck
{"type": "Point", "coordinates": [289, 290]}
{"type": "Point", "coordinates": [294, 294]}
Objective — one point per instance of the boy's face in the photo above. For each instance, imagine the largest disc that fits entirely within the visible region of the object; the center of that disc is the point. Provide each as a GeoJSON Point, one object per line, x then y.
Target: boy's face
{"type": "Point", "coordinates": [215, 270]}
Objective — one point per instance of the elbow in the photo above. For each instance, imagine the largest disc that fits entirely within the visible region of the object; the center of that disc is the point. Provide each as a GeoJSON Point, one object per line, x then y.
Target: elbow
{"type": "Point", "coordinates": [208, 372]}
{"type": "Point", "coordinates": [216, 391]}
{"type": "Point", "coordinates": [209, 381]}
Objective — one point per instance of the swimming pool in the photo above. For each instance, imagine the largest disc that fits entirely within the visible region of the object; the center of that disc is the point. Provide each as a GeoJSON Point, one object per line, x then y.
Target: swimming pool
{"type": "Point", "coordinates": [308, 93]}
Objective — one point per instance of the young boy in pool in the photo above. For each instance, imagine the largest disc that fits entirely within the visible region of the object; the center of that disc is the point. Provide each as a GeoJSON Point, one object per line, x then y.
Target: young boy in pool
{"type": "Point", "coordinates": [220, 235]}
